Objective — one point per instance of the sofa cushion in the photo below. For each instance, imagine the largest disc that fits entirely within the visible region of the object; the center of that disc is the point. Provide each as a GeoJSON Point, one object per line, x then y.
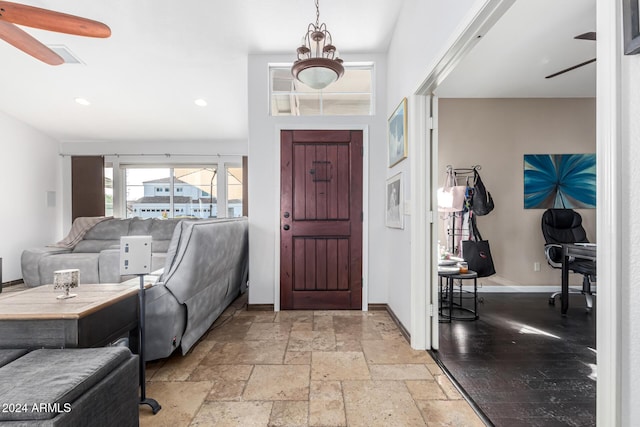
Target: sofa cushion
{"type": "Point", "coordinates": [10, 354]}
{"type": "Point", "coordinates": [110, 229]}
{"type": "Point", "coordinates": [30, 262]}
{"type": "Point", "coordinates": [87, 263]}
{"type": "Point", "coordinates": [160, 246]}
{"type": "Point", "coordinates": [162, 229]}
{"type": "Point", "coordinates": [51, 376]}
{"type": "Point", "coordinates": [161, 233]}
{"type": "Point", "coordinates": [140, 227]}
{"type": "Point", "coordinates": [89, 246]}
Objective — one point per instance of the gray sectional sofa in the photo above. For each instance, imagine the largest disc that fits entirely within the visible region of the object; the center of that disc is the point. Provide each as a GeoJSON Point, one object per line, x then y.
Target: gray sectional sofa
{"type": "Point", "coordinates": [204, 268]}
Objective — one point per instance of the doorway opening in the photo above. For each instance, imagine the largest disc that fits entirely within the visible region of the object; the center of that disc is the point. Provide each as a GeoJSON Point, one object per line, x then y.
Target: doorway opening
{"type": "Point", "coordinates": [490, 129]}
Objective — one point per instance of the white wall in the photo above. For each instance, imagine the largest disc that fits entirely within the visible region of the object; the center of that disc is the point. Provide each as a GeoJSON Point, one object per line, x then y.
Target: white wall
{"type": "Point", "coordinates": [495, 134]}
{"type": "Point", "coordinates": [264, 169]}
{"type": "Point", "coordinates": [147, 148]}
{"type": "Point", "coordinates": [630, 242]}
{"type": "Point", "coordinates": [29, 168]}
{"type": "Point", "coordinates": [424, 31]}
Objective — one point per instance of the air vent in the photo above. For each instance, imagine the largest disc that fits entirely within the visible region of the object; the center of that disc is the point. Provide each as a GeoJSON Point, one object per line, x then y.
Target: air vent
{"type": "Point", "coordinates": [65, 53]}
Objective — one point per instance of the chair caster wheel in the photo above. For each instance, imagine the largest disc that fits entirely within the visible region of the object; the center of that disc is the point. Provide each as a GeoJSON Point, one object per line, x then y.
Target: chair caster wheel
{"type": "Point", "coordinates": [552, 301]}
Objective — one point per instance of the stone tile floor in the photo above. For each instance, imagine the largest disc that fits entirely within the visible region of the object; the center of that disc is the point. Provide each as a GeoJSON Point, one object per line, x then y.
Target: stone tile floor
{"type": "Point", "coordinates": [303, 368]}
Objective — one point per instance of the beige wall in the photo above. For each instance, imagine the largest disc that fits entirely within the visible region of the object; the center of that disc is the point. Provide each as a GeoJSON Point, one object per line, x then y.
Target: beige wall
{"type": "Point", "coordinates": [496, 133]}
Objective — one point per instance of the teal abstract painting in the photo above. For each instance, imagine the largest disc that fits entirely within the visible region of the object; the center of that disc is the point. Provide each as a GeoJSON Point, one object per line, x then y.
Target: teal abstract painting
{"type": "Point", "coordinates": [559, 181]}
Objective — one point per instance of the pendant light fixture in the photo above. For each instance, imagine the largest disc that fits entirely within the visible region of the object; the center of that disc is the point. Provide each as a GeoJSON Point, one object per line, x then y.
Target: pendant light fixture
{"type": "Point", "coordinates": [318, 64]}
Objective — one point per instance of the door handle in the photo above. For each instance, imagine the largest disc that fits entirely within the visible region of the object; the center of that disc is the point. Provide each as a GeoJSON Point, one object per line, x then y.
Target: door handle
{"type": "Point", "coordinates": [286, 227]}
{"type": "Point", "coordinates": [287, 214]}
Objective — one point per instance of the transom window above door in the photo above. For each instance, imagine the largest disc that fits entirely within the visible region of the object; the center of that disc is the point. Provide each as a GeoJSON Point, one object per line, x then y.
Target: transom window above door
{"type": "Point", "coordinates": [351, 95]}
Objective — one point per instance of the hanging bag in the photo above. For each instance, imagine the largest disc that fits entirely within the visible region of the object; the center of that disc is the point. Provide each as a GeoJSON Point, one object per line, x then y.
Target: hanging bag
{"type": "Point", "coordinates": [477, 253]}
{"type": "Point", "coordinates": [451, 196]}
{"type": "Point", "coordinates": [481, 200]}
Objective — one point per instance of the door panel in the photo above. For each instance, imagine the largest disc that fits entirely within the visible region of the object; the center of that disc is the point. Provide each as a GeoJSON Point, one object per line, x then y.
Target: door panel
{"type": "Point", "coordinates": [321, 220]}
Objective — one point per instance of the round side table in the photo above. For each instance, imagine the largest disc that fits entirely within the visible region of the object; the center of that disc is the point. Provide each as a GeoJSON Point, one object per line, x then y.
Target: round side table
{"type": "Point", "coordinates": [450, 309]}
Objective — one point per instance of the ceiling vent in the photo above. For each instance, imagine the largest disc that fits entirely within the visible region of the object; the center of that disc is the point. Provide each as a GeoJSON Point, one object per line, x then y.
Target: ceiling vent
{"type": "Point", "coordinates": [65, 53]}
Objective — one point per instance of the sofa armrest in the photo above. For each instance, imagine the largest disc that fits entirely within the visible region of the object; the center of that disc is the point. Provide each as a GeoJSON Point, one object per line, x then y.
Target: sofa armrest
{"type": "Point", "coordinates": [166, 321]}
{"type": "Point", "coordinates": [30, 260]}
{"type": "Point", "coordinates": [109, 266]}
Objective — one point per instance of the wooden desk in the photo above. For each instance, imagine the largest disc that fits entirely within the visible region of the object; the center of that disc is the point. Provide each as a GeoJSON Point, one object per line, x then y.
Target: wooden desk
{"type": "Point", "coordinates": [579, 252]}
{"type": "Point", "coordinates": [100, 314]}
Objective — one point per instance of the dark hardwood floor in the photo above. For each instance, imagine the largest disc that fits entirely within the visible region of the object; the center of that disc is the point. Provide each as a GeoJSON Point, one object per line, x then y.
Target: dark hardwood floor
{"type": "Point", "coordinates": [524, 364]}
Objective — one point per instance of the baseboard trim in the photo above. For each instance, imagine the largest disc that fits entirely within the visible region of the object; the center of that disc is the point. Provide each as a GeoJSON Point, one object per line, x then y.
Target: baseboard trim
{"type": "Point", "coordinates": [260, 307]}
{"type": "Point", "coordinates": [405, 333]}
{"type": "Point", "coordinates": [12, 283]}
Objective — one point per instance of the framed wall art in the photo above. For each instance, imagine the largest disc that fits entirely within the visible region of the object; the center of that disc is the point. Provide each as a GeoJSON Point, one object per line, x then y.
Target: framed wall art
{"type": "Point", "coordinates": [566, 181]}
{"type": "Point", "coordinates": [394, 216]}
{"type": "Point", "coordinates": [397, 134]}
{"type": "Point", "coordinates": [631, 18]}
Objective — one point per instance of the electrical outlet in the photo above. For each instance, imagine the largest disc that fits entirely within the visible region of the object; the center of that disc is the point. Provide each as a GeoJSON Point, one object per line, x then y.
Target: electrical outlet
{"type": "Point", "coordinates": [536, 266]}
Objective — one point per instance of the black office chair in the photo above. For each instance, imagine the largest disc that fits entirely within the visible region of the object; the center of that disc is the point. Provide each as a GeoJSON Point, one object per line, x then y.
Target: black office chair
{"type": "Point", "coordinates": [565, 226]}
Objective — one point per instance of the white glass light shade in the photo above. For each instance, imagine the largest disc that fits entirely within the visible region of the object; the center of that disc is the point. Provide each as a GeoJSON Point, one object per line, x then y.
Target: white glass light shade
{"type": "Point", "coordinates": [317, 73]}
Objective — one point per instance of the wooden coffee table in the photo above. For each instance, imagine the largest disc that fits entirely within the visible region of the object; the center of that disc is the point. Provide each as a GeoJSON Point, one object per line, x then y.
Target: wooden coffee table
{"type": "Point", "coordinates": [99, 315]}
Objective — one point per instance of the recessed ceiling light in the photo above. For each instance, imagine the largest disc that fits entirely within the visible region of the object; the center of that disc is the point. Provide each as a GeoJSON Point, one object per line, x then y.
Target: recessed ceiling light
{"type": "Point", "coordinates": [200, 102]}
{"type": "Point", "coordinates": [82, 101]}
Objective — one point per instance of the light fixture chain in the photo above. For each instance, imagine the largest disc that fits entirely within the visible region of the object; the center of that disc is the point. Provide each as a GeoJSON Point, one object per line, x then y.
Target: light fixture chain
{"type": "Point", "coordinates": [317, 65]}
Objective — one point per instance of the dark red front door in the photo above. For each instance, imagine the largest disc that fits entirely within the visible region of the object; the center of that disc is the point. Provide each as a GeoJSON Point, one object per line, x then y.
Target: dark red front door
{"type": "Point", "coordinates": [321, 220]}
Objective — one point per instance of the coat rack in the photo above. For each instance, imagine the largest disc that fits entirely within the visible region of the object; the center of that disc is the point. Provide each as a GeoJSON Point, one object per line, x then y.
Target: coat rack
{"type": "Point", "coordinates": [468, 174]}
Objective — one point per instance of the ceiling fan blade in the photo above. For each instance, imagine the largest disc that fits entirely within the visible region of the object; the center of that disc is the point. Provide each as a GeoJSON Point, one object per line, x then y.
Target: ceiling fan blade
{"type": "Point", "coordinates": [591, 35]}
{"type": "Point", "coordinates": [45, 19]}
{"type": "Point", "coordinates": [23, 41]}
{"type": "Point", "coordinates": [571, 68]}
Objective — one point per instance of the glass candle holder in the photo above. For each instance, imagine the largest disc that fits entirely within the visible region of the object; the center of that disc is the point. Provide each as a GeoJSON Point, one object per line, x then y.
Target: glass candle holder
{"type": "Point", "coordinates": [463, 266]}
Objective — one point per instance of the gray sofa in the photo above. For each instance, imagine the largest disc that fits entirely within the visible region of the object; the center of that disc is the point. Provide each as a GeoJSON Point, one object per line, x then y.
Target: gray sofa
{"type": "Point", "coordinates": [97, 255]}
{"type": "Point", "coordinates": [204, 268]}
{"type": "Point", "coordinates": [69, 387]}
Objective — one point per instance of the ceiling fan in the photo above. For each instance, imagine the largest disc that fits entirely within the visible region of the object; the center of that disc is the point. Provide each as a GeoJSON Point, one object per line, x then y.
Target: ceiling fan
{"type": "Point", "coordinates": [586, 36]}
{"type": "Point", "coordinates": [44, 19]}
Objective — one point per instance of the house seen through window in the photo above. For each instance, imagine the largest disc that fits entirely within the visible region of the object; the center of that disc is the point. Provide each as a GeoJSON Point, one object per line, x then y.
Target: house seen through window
{"type": "Point", "coordinates": [174, 192]}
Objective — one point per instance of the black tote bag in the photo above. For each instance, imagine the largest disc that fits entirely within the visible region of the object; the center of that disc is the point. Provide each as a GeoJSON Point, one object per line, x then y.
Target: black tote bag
{"type": "Point", "coordinates": [477, 253]}
{"type": "Point", "coordinates": [481, 201]}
